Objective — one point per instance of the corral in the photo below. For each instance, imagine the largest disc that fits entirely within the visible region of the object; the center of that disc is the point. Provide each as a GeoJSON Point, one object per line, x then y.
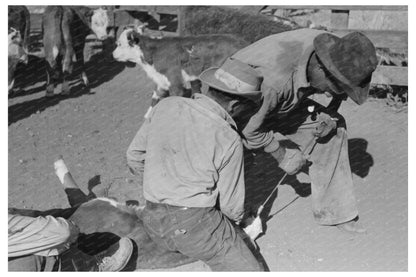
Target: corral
{"type": "Point", "coordinates": [92, 129]}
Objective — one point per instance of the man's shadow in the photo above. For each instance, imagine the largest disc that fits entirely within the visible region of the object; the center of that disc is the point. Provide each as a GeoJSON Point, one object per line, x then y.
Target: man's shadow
{"type": "Point", "coordinates": [360, 160]}
{"type": "Point", "coordinates": [262, 174]}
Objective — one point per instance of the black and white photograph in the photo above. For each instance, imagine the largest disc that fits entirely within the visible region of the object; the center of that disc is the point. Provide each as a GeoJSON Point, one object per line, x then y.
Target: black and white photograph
{"type": "Point", "coordinates": [205, 137]}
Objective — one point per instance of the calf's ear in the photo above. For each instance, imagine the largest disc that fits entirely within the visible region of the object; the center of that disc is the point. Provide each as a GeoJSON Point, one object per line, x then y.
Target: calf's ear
{"type": "Point", "coordinates": [89, 13]}
{"type": "Point", "coordinates": [134, 37]}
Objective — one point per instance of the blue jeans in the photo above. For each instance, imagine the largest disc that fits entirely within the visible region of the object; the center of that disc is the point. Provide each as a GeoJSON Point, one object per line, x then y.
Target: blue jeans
{"type": "Point", "coordinates": [201, 233]}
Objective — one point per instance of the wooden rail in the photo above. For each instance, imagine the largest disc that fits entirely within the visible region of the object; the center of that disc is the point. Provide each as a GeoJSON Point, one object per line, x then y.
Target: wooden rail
{"type": "Point", "coordinates": [342, 7]}
{"type": "Point", "coordinates": [122, 15]}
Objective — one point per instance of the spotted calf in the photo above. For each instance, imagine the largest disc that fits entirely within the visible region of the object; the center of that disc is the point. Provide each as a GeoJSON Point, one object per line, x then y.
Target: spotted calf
{"type": "Point", "coordinates": [173, 63]}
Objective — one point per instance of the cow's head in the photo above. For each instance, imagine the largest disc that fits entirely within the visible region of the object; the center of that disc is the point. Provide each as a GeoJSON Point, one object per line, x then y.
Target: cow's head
{"type": "Point", "coordinates": [99, 23]}
{"type": "Point", "coordinates": [16, 53]}
{"type": "Point", "coordinates": [128, 48]}
{"type": "Point", "coordinates": [15, 48]}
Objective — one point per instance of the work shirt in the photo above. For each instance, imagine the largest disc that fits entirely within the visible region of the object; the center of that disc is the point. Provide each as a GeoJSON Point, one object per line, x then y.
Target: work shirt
{"type": "Point", "coordinates": [282, 61]}
{"type": "Point", "coordinates": [42, 236]}
{"type": "Point", "coordinates": [191, 155]}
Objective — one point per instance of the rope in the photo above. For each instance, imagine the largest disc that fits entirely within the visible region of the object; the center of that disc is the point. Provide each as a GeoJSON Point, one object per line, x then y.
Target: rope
{"type": "Point", "coordinates": [313, 140]}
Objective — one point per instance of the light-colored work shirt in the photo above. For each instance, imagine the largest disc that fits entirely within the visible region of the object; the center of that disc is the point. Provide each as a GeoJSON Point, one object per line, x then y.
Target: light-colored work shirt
{"type": "Point", "coordinates": [42, 236]}
{"type": "Point", "coordinates": [282, 61]}
{"type": "Point", "coordinates": [191, 155]}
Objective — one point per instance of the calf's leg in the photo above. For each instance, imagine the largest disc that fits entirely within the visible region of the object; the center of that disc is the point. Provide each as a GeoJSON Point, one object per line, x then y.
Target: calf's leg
{"type": "Point", "coordinates": [74, 193]}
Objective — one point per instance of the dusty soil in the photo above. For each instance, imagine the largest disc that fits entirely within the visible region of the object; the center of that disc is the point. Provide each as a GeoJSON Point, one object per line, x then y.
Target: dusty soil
{"type": "Point", "coordinates": [92, 130]}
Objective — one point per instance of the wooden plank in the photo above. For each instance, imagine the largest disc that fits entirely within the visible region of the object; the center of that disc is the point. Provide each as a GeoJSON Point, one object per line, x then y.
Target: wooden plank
{"type": "Point", "coordinates": [159, 9]}
{"type": "Point", "coordinates": [339, 19]}
{"type": "Point", "coordinates": [344, 7]}
{"type": "Point", "coordinates": [181, 21]}
{"type": "Point", "coordinates": [390, 75]}
{"type": "Point", "coordinates": [122, 18]}
{"type": "Point", "coordinates": [383, 38]}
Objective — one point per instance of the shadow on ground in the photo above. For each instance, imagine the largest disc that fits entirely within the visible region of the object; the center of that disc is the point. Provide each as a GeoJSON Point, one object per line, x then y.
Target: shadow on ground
{"type": "Point", "coordinates": [100, 69]}
{"type": "Point", "coordinates": [262, 174]}
{"type": "Point", "coordinates": [360, 160]}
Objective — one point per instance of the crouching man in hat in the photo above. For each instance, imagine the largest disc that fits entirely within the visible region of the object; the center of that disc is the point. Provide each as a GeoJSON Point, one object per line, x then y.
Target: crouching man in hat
{"type": "Point", "coordinates": [287, 70]}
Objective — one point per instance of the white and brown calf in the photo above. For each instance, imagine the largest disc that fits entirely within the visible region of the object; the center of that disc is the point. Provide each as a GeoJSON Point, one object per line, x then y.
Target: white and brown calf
{"type": "Point", "coordinates": [174, 63]}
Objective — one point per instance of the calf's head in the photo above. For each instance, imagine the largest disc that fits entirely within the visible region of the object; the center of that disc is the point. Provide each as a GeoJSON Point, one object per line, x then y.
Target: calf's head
{"type": "Point", "coordinates": [16, 54]}
{"type": "Point", "coordinates": [128, 49]}
{"type": "Point", "coordinates": [99, 23]}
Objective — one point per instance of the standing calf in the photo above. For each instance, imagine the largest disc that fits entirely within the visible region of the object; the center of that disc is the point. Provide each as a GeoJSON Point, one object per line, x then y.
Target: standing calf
{"type": "Point", "coordinates": [174, 63]}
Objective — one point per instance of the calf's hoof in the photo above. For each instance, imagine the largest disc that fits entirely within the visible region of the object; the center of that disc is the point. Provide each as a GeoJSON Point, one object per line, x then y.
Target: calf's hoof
{"type": "Point", "coordinates": [65, 89]}
{"type": "Point", "coordinates": [85, 80]}
{"type": "Point", "coordinates": [49, 91]}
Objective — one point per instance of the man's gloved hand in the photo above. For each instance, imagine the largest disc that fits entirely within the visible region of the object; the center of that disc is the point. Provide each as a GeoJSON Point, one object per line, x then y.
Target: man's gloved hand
{"type": "Point", "coordinates": [254, 229]}
{"type": "Point", "coordinates": [326, 125]}
{"type": "Point", "coordinates": [74, 232]}
{"type": "Point", "coordinates": [290, 160]}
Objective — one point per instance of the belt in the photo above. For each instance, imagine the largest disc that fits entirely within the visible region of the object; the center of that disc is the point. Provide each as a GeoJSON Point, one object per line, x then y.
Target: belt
{"type": "Point", "coordinates": [152, 206]}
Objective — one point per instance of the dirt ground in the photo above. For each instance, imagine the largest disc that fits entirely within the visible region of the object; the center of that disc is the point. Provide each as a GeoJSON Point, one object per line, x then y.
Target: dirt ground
{"type": "Point", "coordinates": [92, 130]}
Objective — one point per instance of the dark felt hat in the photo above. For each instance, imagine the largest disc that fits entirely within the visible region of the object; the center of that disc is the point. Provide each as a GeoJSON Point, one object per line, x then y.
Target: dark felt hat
{"type": "Point", "coordinates": [350, 59]}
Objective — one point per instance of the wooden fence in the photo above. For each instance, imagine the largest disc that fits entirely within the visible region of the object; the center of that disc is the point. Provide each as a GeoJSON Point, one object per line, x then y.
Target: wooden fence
{"type": "Point", "coordinates": [134, 15]}
{"type": "Point", "coordinates": [394, 40]}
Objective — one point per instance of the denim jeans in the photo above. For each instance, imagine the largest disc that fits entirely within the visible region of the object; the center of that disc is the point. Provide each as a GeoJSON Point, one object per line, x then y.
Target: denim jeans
{"type": "Point", "coordinates": [201, 233]}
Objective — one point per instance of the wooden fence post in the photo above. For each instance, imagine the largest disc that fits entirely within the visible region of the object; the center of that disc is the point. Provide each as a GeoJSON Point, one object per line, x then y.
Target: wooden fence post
{"type": "Point", "coordinates": [181, 21]}
{"type": "Point", "coordinates": [339, 19]}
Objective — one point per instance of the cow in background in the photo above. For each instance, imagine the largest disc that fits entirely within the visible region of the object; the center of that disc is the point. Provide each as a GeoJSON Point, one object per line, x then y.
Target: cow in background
{"type": "Point", "coordinates": [19, 20]}
{"type": "Point", "coordinates": [174, 63]}
{"type": "Point", "coordinates": [64, 31]}
{"type": "Point", "coordinates": [18, 40]}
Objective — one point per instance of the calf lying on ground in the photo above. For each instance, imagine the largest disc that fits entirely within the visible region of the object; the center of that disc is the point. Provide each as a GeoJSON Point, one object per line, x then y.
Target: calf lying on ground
{"type": "Point", "coordinates": [19, 29]}
{"type": "Point", "coordinates": [173, 63]}
{"type": "Point", "coordinates": [102, 220]}
{"type": "Point", "coordinates": [64, 31]}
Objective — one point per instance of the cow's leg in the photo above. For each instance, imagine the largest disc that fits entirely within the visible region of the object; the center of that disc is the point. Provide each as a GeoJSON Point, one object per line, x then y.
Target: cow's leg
{"type": "Point", "coordinates": [67, 64]}
{"type": "Point", "coordinates": [52, 43]}
{"type": "Point", "coordinates": [52, 68]}
{"type": "Point", "coordinates": [52, 76]}
{"type": "Point", "coordinates": [79, 53]}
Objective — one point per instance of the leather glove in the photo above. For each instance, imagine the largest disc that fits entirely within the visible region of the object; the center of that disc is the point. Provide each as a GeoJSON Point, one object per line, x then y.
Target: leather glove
{"type": "Point", "coordinates": [326, 125]}
{"type": "Point", "coordinates": [74, 232]}
{"type": "Point", "coordinates": [290, 160]}
{"type": "Point", "coordinates": [254, 229]}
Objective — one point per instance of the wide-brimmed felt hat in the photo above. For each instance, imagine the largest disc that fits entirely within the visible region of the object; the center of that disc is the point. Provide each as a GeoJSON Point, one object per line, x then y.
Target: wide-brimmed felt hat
{"type": "Point", "coordinates": [350, 59]}
{"type": "Point", "coordinates": [234, 77]}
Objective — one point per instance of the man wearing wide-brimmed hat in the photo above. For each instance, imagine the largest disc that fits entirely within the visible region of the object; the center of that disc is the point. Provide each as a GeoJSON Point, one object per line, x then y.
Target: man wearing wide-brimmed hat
{"type": "Point", "coordinates": [284, 72]}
